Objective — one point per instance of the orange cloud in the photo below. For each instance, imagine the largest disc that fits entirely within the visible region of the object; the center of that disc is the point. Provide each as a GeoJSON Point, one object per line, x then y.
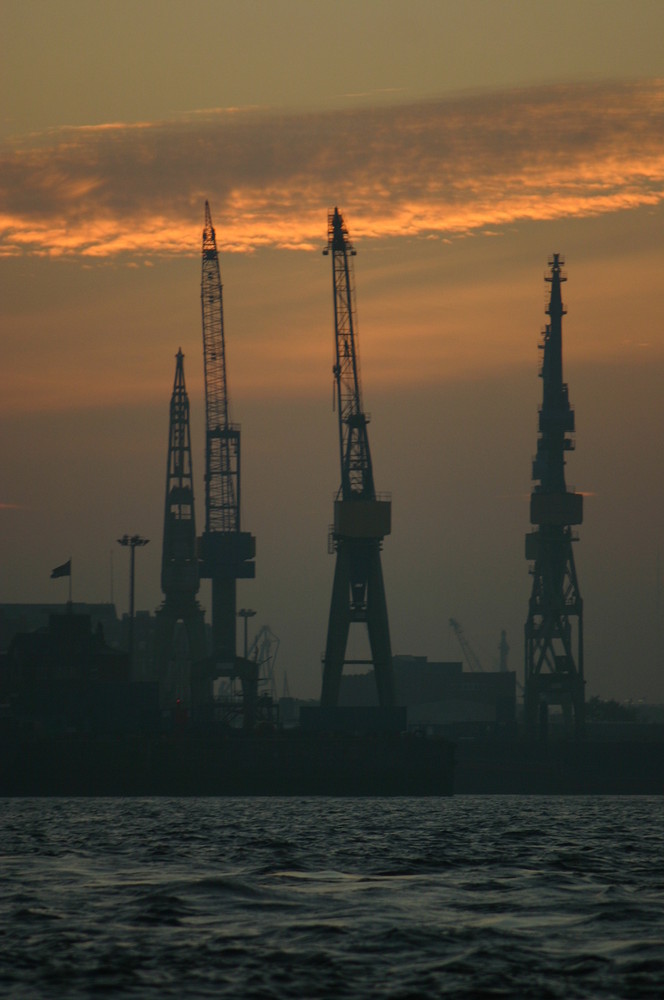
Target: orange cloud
{"type": "Point", "coordinates": [429, 170]}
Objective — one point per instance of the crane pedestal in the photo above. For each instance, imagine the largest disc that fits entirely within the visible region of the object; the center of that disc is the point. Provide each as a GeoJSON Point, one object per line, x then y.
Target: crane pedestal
{"type": "Point", "coordinates": [358, 595]}
{"type": "Point", "coordinates": [226, 558]}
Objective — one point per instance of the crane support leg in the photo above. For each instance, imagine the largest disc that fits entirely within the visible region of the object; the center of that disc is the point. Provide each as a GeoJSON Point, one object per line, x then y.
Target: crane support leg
{"type": "Point", "coordinates": [343, 612]}
{"type": "Point", "coordinates": [337, 630]}
{"type": "Point", "coordinates": [379, 630]}
{"type": "Point", "coordinates": [224, 620]}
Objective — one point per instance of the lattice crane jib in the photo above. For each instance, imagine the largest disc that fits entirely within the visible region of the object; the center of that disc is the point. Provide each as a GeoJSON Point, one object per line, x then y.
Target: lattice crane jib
{"type": "Point", "coordinates": [356, 469]}
{"type": "Point", "coordinates": [222, 443]}
{"type": "Point", "coordinates": [554, 627]}
{"type": "Point", "coordinates": [361, 518]}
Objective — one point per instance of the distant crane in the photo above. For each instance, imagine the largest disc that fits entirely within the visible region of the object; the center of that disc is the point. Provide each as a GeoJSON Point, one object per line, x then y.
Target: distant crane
{"type": "Point", "coordinates": [471, 659]}
{"type": "Point", "coordinates": [361, 518]}
{"type": "Point", "coordinates": [226, 553]}
{"type": "Point", "coordinates": [259, 665]}
{"type": "Point", "coordinates": [553, 648]}
{"type": "Point", "coordinates": [179, 561]}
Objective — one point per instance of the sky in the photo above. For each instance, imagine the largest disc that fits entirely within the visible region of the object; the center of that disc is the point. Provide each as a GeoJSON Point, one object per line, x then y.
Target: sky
{"type": "Point", "coordinates": [464, 144]}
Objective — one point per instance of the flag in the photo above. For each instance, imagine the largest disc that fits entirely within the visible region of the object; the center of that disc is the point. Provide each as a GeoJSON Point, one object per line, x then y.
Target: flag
{"type": "Point", "coordinates": [64, 570]}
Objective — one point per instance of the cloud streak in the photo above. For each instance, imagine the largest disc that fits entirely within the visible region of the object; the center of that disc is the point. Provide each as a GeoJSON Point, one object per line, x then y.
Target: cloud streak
{"type": "Point", "coordinates": [431, 169]}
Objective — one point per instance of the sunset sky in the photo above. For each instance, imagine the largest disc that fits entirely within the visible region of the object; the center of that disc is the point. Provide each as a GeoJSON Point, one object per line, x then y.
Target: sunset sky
{"type": "Point", "coordinates": [464, 144]}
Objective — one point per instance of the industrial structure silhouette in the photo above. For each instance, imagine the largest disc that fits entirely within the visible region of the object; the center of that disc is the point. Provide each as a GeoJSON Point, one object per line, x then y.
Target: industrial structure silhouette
{"type": "Point", "coordinates": [361, 517]}
{"type": "Point", "coordinates": [553, 653]}
{"type": "Point", "coordinates": [159, 726]}
{"type": "Point", "coordinates": [226, 552]}
{"type": "Point", "coordinates": [223, 553]}
{"type": "Point", "coordinates": [553, 674]}
{"type": "Point", "coordinates": [180, 573]}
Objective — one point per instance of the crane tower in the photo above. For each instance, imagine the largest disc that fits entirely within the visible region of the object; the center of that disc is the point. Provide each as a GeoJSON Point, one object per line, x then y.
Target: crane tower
{"type": "Point", "coordinates": [179, 562]}
{"type": "Point", "coordinates": [553, 647]}
{"type": "Point", "coordinates": [226, 552]}
{"type": "Point", "coordinates": [361, 517]}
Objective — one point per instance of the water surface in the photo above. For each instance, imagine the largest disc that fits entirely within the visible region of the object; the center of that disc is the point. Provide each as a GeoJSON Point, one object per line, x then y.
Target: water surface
{"type": "Point", "coordinates": [330, 897]}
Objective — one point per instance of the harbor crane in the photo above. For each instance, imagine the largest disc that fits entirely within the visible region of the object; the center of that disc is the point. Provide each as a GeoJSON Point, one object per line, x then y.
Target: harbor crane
{"type": "Point", "coordinates": [226, 552]}
{"type": "Point", "coordinates": [231, 706]}
{"type": "Point", "coordinates": [264, 651]}
{"type": "Point", "coordinates": [362, 518]}
{"type": "Point", "coordinates": [180, 577]}
{"type": "Point", "coordinates": [554, 626]}
{"type": "Point", "coordinates": [474, 664]}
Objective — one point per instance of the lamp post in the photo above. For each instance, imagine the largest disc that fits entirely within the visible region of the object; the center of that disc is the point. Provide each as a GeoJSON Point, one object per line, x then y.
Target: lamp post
{"type": "Point", "coordinates": [245, 613]}
{"type": "Point", "coordinates": [132, 542]}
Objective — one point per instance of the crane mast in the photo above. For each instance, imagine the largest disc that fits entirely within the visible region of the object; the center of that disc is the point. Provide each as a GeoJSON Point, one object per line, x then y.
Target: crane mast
{"type": "Point", "coordinates": [361, 519]}
{"type": "Point", "coordinates": [179, 560]}
{"type": "Point", "coordinates": [226, 552]}
{"type": "Point", "coordinates": [553, 646]}
{"type": "Point", "coordinates": [179, 566]}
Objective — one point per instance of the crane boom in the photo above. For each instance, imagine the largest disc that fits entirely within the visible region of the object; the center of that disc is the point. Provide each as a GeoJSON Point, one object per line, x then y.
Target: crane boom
{"type": "Point", "coordinates": [222, 441]}
{"type": "Point", "coordinates": [356, 469]}
{"type": "Point", "coordinates": [467, 650]}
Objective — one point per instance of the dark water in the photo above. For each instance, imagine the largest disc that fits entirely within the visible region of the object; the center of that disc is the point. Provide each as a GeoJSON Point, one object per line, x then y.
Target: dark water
{"type": "Point", "coordinates": [463, 897]}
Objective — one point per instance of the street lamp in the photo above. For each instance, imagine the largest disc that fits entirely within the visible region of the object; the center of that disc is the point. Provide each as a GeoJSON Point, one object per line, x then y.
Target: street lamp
{"type": "Point", "coordinates": [245, 613]}
{"type": "Point", "coordinates": [132, 542]}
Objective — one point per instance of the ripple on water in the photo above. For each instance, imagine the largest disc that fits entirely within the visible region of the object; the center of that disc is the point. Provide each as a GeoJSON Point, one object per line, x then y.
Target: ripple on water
{"type": "Point", "coordinates": [529, 897]}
